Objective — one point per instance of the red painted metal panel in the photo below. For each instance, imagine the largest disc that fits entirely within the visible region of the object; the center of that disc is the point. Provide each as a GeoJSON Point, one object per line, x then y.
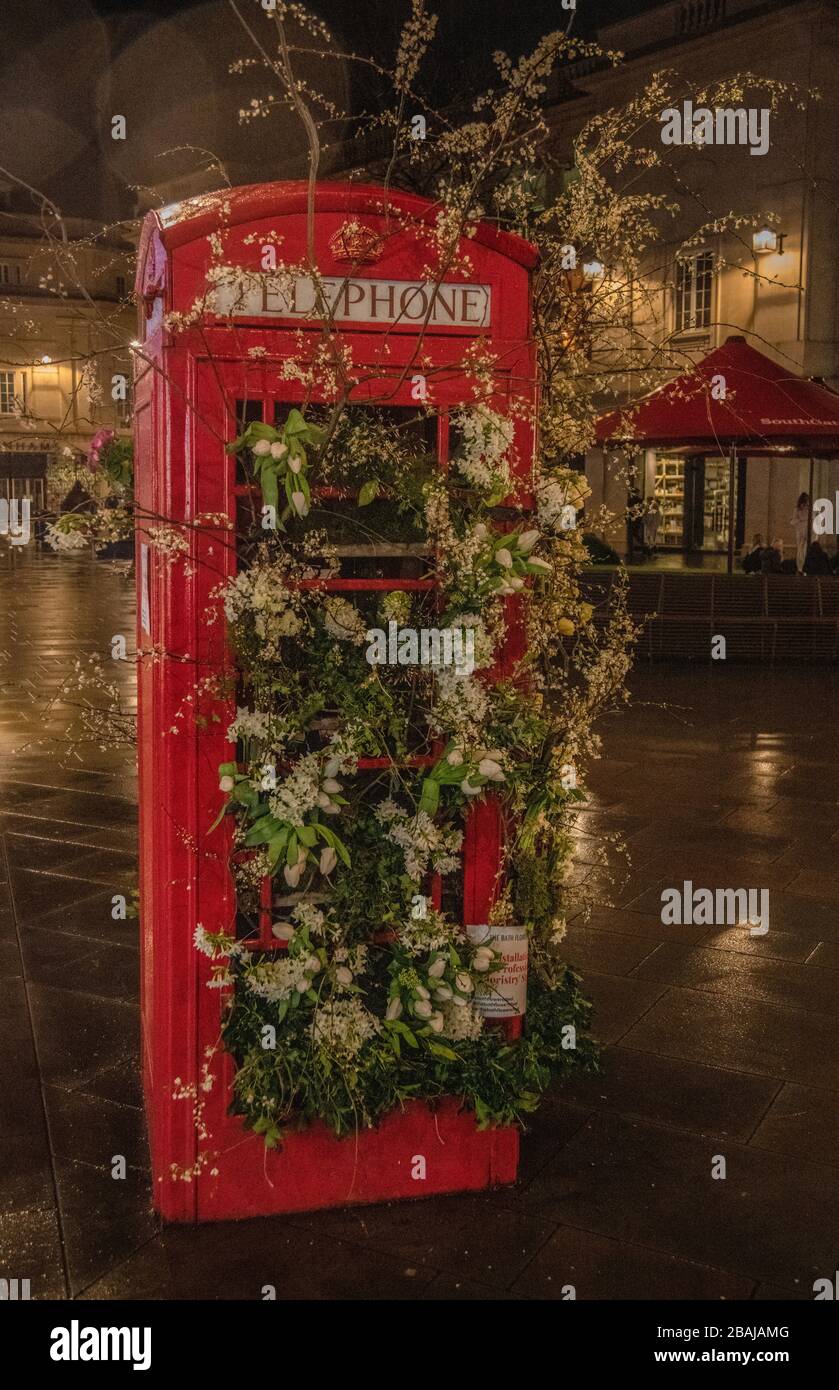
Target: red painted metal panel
{"type": "Point", "coordinates": [186, 390]}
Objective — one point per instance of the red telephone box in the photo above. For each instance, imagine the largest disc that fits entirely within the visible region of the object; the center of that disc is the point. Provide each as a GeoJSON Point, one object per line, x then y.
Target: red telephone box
{"type": "Point", "coordinates": [199, 369]}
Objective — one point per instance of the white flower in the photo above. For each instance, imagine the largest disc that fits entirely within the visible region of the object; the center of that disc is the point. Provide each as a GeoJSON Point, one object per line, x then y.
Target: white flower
{"type": "Point", "coordinates": [343, 975]}
{"type": "Point", "coordinates": [459, 1001]}
{"type": "Point", "coordinates": [437, 968]}
{"type": "Point", "coordinates": [443, 992]}
{"type": "Point", "coordinates": [436, 1021]}
{"type": "Point", "coordinates": [330, 785]}
{"type": "Point", "coordinates": [394, 1008]}
{"type": "Point", "coordinates": [527, 540]}
{"type": "Point", "coordinates": [292, 874]}
{"type": "Point", "coordinates": [463, 983]}
{"type": "Point", "coordinates": [422, 1008]}
{"type": "Point", "coordinates": [328, 860]}
{"type": "Point", "coordinates": [504, 558]}
{"type": "Point", "coordinates": [455, 758]}
{"type": "Point", "coordinates": [467, 788]}
{"type": "Point", "coordinates": [538, 564]}
{"type": "Point", "coordinates": [422, 992]}
{"type": "Point", "coordinates": [262, 447]}
{"type": "Point", "coordinates": [283, 931]}
{"type": "Point", "coordinates": [343, 620]}
{"type": "Point", "coordinates": [295, 465]}
{"type": "Point", "coordinates": [226, 784]}
{"type": "Point", "coordinates": [342, 1026]}
{"type": "Point", "coordinates": [278, 448]}
{"type": "Point", "coordinates": [299, 503]}
{"type": "Point", "coordinates": [488, 767]}
{"type": "Point", "coordinates": [312, 965]}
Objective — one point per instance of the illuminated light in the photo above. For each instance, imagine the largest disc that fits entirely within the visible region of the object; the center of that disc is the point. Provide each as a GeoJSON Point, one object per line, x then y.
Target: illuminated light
{"type": "Point", "coordinates": [46, 359]}
{"type": "Point", "coordinates": [764, 241]}
{"type": "Point", "coordinates": [135, 343]}
{"type": "Point", "coordinates": [593, 270]}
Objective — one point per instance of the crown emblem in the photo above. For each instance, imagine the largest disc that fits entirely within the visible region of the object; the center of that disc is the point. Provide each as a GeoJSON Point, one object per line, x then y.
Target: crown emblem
{"type": "Point", "coordinates": [355, 242]}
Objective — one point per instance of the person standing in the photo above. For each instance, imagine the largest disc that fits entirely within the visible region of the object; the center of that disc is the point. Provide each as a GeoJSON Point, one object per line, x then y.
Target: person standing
{"type": "Point", "coordinates": [652, 519]}
{"type": "Point", "coordinates": [801, 526]}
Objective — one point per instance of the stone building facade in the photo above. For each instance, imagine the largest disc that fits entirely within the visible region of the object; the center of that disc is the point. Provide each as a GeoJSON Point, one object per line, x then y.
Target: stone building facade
{"type": "Point", "coordinates": [784, 300]}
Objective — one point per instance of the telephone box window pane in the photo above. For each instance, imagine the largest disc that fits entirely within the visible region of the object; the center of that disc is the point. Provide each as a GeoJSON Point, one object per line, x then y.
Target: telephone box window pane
{"type": "Point", "coordinates": [246, 413]}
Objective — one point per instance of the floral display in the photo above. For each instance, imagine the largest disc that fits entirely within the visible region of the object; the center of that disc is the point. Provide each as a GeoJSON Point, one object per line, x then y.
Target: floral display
{"type": "Point", "coordinates": [369, 999]}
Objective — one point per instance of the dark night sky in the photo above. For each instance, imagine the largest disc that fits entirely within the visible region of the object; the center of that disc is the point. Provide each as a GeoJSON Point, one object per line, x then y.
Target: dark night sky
{"type": "Point", "coordinates": [164, 65]}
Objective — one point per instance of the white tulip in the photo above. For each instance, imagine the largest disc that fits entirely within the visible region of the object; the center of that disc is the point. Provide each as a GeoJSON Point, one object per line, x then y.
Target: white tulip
{"type": "Point", "coordinates": [504, 558]}
{"type": "Point", "coordinates": [295, 465]}
{"type": "Point", "coordinates": [343, 975]}
{"type": "Point", "coordinates": [292, 874]}
{"type": "Point", "coordinates": [299, 503]}
{"type": "Point", "coordinates": [484, 952]}
{"type": "Point", "coordinates": [323, 800]}
{"type": "Point", "coordinates": [437, 968]}
{"type": "Point", "coordinates": [463, 983]}
{"type": "Point", "coordinates": [538, 564]}
{"type": "Point", "coordinates": [516, 582]}
{"type": "Point", "coordinates": [422, 1008]}
{"type": "Point", "coordinates": [283, 931]}
{"type": "Point", "coordinates": [443, 992]}
{"type": "Point", "coordinates": [436, 1021]}
{"type": "Point", "coordinates": [226, 784]}
{"type": "Point", "coordinates": [422, 992]}
{"type": "Point", "coordinates": [332, 809]}
{"type": "Point", "coordinates": [527, 540]}
{"type": "Point", "coordinates": [467, 788]}
{"type": "Point", "coordinates": [460, 1001]}
{"type": "Point", "coordinates": [278, 448]}
{"type": "Point", "coordinates": [481, 964]}
{"type": "Point", "coordinates": [488, 767]}
{"type": "Point", "coordinates": [332, 767]}
{"type": "Point", "coordinates": [455, 758]}
{"type": "Point", "coordinates": [328, 860]}
{"type": "Point", "coordinates": [481, 531]}
{"type": "Point", "coordinates": [394, 1008]}
{"type": "Point", "coordinates": [312, 965]}
{"type": "Point", "coordinates": [331, 786]}
{"type": "Point", "coordinates": [262, 447]}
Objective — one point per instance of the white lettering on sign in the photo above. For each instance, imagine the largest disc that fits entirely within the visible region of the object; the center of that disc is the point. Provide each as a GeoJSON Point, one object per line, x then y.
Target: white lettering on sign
{"type": "Point", "coordinates": [352, 300]}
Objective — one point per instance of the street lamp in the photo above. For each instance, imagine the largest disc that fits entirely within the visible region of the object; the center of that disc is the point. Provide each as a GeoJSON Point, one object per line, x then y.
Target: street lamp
{"type": "Point", "coordinates": [766, 241]}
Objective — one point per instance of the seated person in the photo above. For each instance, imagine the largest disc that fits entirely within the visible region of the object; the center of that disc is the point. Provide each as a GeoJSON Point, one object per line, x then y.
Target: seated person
{"type": "Point", "coordinates": [817, 560]}
{"type": "Point", "coordinates": [751, 557]}
{"type": "Point", "coordinates": [772, 557]}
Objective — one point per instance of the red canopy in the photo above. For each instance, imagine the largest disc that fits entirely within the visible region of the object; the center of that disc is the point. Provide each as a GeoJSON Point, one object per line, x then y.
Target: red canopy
{"type": "Point", "coordinates": [766, 408]}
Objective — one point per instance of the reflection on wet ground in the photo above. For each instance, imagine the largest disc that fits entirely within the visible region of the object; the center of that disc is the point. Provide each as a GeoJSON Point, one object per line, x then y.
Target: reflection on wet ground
{"type": "Point", "coordinates": [716, 1042]}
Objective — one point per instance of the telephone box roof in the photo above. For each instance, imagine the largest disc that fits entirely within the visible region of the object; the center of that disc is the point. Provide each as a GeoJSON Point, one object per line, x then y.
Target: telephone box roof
{"type": "Point", "coordinates": [765, 408]}
{"type": "Point", "coordinates": [200, 216]}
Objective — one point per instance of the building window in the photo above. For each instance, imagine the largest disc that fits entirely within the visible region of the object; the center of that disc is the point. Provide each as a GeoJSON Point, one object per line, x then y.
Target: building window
{"type": "Point", "coordinates": [9, 273]}
{"type": "Point", "coordinates": [9, 405]}
{"type": "Point", "coordinates": [694, 282]}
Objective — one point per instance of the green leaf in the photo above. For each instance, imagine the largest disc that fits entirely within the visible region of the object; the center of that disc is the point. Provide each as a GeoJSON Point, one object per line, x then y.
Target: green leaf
{"type": "Point", "coordinates": [440, 1051]}
{"type": "Point", "coordinates": [291, 852]}
{"type": "Point", "coordinates": [368, 492]}
{"type": "Point", "coordinates": [307, 835]}
{"type": "Point", "coordinates": [429, 796]}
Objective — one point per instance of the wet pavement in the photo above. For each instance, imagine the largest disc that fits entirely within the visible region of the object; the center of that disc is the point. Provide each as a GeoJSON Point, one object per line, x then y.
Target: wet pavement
{"type": "Point", "coordinates": [717, 1044]}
